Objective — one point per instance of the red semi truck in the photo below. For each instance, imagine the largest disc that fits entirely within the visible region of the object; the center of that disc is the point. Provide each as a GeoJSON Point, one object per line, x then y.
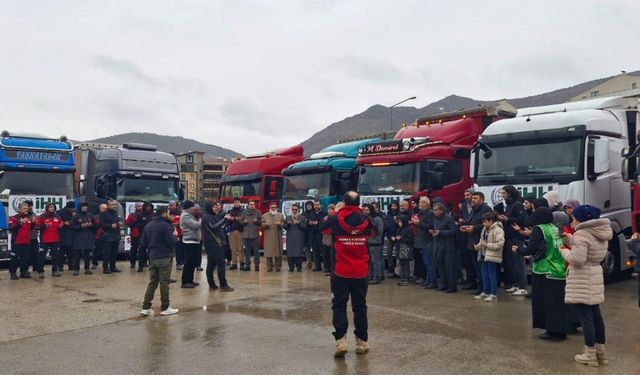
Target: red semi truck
{"type": "Point", "coordinates": [258, 177]}
{"type": "Point", "coordinates": [431, 157]}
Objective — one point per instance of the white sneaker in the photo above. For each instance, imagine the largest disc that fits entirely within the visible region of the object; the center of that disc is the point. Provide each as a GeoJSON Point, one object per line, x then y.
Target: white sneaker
{"type": "Point", "coordinates": [146, 312]}
{"type": "Point", "coordinates": [491, 298]}
{"type": "Point", "coordinates": [511, 290]}
{"type": "Point", "coordinates": [169, 311]}
{"type": "Point", "coordinates": [520, 292]}
{"type": "Point", "coordinates": [481, 296]}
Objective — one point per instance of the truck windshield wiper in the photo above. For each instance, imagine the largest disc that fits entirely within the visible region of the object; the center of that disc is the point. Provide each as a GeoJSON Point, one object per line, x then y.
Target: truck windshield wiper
{"type": "Point", "coordinates": [495, 174]}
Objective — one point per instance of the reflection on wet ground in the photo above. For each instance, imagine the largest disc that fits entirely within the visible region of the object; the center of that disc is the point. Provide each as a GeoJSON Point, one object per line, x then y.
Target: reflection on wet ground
{"type": "Point", "coordinates": [281, 324]}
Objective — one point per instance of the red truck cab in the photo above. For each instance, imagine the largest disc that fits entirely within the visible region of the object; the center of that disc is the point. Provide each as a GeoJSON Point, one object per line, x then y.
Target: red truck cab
{"type": "Point", "coordinates": [258, 177]}
{"type": "Point", "coordinates": [430, 157]}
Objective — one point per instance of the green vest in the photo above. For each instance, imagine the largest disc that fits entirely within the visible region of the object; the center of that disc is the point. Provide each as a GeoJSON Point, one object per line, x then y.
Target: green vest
{"type": "Point", "coordinates": [553, 264]}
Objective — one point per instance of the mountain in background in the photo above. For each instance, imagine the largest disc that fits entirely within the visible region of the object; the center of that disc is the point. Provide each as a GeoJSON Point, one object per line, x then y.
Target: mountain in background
{"type": "Point", "coordinates": [166, 143]}
{"type": "Point", "coordinates": [376, 119]}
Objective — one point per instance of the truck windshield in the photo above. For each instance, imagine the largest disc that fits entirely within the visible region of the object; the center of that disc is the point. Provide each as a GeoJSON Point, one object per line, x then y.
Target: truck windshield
{"type": "Point", "coordinates": [307, 186]}
{"type": "Point", "coordinates": [400, 178]}
{"type": "Point", "coordinates": [145, 189]}
{"type": "Point", "coordinates": [553, 160]}
{"type": "Point", "coordinates": [241, 189]}
{"type": "Point", "coordinates": [38, 183]}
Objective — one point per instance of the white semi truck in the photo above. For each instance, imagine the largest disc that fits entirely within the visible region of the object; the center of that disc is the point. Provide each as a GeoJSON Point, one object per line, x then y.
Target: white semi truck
{"type": "Point", "coordinates": [573, 148]}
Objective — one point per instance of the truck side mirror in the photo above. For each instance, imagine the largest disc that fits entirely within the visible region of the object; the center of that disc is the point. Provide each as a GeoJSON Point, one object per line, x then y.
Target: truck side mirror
{"type": "Point", "coordinates": [597, 157]}
{"type": "Point", "coordinates": [472, 164]}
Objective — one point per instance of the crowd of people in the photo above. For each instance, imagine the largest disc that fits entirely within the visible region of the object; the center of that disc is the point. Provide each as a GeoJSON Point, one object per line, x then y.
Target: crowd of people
{"type": "Point", "coordinates": [418, 242]}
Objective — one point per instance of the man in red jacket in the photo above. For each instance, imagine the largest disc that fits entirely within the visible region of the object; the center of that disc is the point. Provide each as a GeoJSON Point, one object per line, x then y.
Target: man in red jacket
{"type": "Point", "coordinates": [350, 229]}
{"type": "Point", "coordinates": [20, 227]}
{"type": "Point", "coordinates": [49, 224]}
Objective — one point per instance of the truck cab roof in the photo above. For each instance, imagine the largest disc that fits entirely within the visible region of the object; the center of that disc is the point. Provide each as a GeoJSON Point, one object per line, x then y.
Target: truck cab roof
{"type": "Point", "coordinates": [266, 163]}
{"type": "Point", "coordinates": [339, 156]}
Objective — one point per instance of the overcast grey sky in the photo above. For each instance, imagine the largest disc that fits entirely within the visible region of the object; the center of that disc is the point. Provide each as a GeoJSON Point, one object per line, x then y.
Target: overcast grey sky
{"type": "Point", "coordinates": [251, 75]}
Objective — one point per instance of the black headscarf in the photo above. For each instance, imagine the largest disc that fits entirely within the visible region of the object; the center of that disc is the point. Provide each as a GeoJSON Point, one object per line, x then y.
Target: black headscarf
{"type": "Point", "coordinates": [542, 215]}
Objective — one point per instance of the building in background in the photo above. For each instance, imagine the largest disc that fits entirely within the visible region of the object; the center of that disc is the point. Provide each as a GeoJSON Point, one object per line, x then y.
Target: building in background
{"type": "Point", "coordinates": [624, 84]}
{"type": "Point", "coordinates": [201, 175]}
{"type": "Point", "coordinates": [212, 170]}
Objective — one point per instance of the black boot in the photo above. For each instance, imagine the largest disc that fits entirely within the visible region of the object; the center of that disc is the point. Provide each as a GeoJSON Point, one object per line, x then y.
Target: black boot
{"type": "Point", "coordinates": [14, 276]}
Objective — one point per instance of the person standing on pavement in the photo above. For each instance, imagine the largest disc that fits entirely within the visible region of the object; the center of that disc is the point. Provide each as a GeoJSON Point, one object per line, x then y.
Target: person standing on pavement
{"type": "Point", "coordinates": [375, 242]}
{"type": "Point", "coordinates": [49, 224]}
{"type": "Point", "coordinates": [390, 231]}
{"type": "Point", "coordinates": [214, 239]}
{"type": "Point", "coordinates": [83, 240]}
{"type": "Point", "coordinates": [272, 223]}
{"type": "Point", "coordinates": [66, 235]}
{"type": "Point", "coordinates": [235, 235]}
{"type": "Point", "coordinates": [142, 219]}
{"type": "Point", "coordinates": [295, 225]}
{"type": "Point", "coordinates": [466, 208]}
{"type": "Point", "coordinates": [350, 230]}
{"type": "Point", "coordinates": [443, 232]}
{"type": "Point", "coordinates": [490, 255]}
{"type": "Point", "coordinates": [97, 250]}
{"type": "Point", "coordinates": [110, 225]}
{"type": "Point", "coordinates": [308, 212]}
{"type": "Point", "coordinates": [250, 220]}
{"type": "Point", "coordinates": [20, 227]}
{"type": "Point", "coordinates": [190, 223]}
{"type": "Point", "coordinates": [314, 219]}
{"type": "Point", "coordinates": [473, 228]}
{"type": "Point", "coordinates": [585, 282]}
{"type": "Point", "coordinates": [34, 255]}
{"type": "Point", "coordinates": [158, 237]}
{"type": "Point", "coordinates": [134, 233]}
{"type": "Point", "coordinates": [512, 220]}
{"type": "Point", "coordinates": [178, 247]}
{"type": "Point", "coordinates": [423, 221]}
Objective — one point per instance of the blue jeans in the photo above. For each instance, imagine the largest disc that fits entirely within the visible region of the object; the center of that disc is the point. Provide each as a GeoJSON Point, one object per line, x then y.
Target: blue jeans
{"type": "Point", "coordinates": [489, 278]}
{"type": "Point", "coordinates": [427, 258]}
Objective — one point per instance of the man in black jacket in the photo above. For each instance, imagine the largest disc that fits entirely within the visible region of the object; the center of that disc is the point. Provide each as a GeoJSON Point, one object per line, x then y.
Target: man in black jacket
{"type": "Point", "coordinates": [423, 221]}
{"type": "Point", "coordinates": [110, 225]}
{"type": "Point", "coordinates": [215, 240]}
{"type": "Point", "coordinates": [83, 239]}
{"type": "Point", "coordinates": [390, 231]}
{"type": "Point", "coordinates": [314, 219]}
{"type": "Point", "coordinates": [66, 234]}
{"type": "Point", "coordinates": [158, 238]}
{"type": "Point", "coordinates": [473, 227]}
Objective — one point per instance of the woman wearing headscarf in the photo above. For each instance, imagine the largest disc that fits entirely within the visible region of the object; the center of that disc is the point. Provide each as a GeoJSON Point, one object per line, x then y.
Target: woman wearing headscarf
{"type": "Point", "coordinates": [548, 309]}
{"type": "Point", "coordinates": [585, 282]}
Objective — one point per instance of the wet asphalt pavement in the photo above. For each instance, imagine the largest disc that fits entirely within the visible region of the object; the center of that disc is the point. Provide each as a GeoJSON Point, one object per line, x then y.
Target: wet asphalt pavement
{"type": "Point", "coordinates": [280, 323]}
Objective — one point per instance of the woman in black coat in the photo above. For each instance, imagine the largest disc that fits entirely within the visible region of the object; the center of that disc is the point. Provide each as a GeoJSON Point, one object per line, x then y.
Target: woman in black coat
{"type": "Point", "coordinates": [514, 266]}
{"type": "Point", "coordinates": [215, 238]}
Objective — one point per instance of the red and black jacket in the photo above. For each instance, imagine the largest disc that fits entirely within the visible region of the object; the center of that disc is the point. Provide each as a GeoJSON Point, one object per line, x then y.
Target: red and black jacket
{"type": "Point", "coordinates": [49, 225]}
{"type": "Point", "coordinates": [350, 229]}
{"type": "Point", "coordinates": [20, 232]}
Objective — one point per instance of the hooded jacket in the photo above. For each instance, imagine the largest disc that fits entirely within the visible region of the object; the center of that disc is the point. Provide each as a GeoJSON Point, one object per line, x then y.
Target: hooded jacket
{"type": "Point", "coordinates": [494, 237]}
{"type": "Point", "coordinates": [214, 236]}
{"type": "Point", "coordinates": [350, 230]}
{"type": "Point", "coordinates": [589, 246]}
{"type": "Point", "coordinates": [49, 225]}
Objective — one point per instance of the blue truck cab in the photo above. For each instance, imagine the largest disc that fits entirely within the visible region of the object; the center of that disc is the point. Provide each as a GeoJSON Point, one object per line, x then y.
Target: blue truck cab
{"type": "Point", "coordinates": [36, 168]}
{"type": "Point", "coordinates": [325, 176]}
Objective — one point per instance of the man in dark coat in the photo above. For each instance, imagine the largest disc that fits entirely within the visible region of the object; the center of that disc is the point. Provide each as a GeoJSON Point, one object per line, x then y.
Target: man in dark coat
{"type": "Point", "coordinates": [295, 225]}
{"type": "Point", "coordinates": [110, 225]}
{"type": "Point", "coordinates": [349, 229]}
{"type": "Point", "coordinates": [473, 227]}
{"type": "Point", "coordinates": [83, 239]}
{"type": "Point", "coordinates": [423, 221]}
{"type": "Point", "coordinates": [314, 219]}
{"type": "Point", "coordinates": [66, 234]}
{"type": "Point", "coordinates": [443, 232]}
{"type": "Point", "coordinates": [158, 238]}
{"type": "Point", "coordinates": [515, 268]}
{"type": "Point", "coordinates": [142, 219]}
{"type": "Point", "coordinates": [391, 232]}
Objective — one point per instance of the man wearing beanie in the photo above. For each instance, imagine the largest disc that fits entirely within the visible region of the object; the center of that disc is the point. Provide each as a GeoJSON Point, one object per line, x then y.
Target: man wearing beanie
{"type": "Point", "coordinates": [190, 222]}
